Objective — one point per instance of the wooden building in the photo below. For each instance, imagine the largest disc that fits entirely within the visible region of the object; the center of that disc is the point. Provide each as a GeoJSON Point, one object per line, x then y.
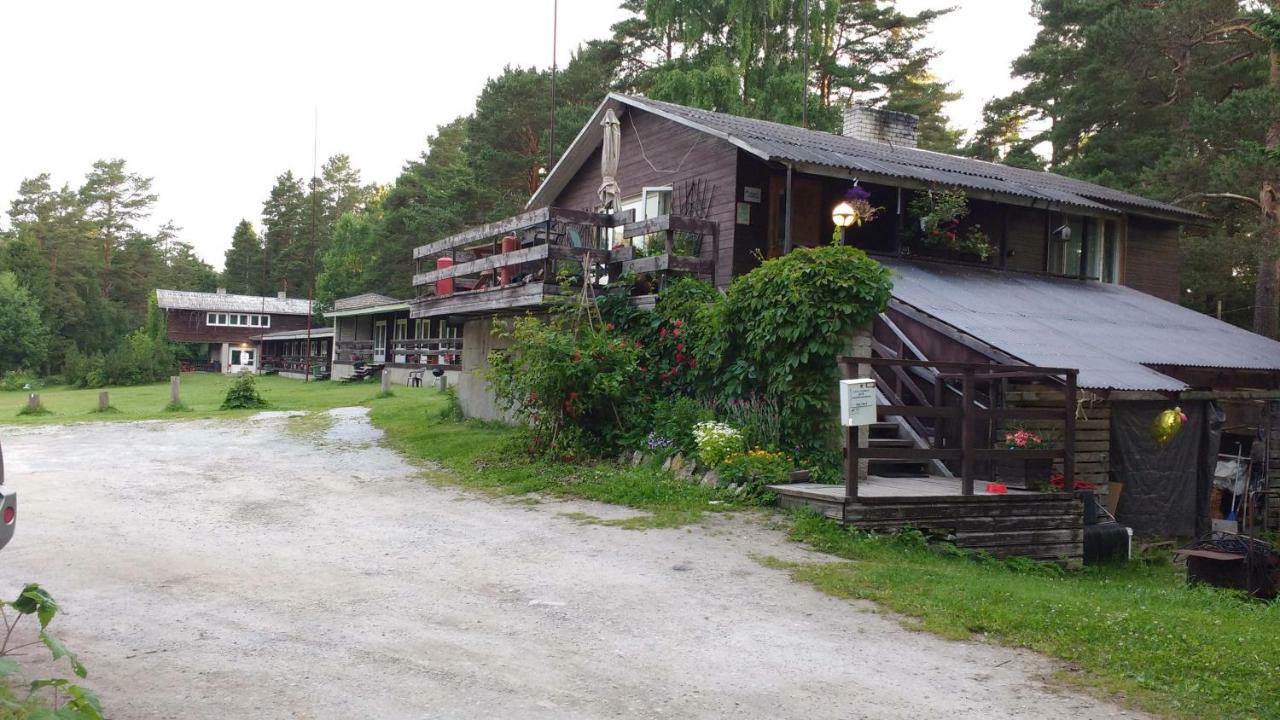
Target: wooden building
{"type": "Point", "coordinates": [373, 329]}
{"type": "Point", "coordinates": [298, 354]}
{"type": "Point", "coordinates": [231, 325]}
{"type": "Point", "coordinates": [1072, 275]}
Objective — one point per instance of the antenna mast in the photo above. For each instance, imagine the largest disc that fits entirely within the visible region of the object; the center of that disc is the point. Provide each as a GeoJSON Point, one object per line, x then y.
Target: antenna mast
{"type": "Point", "coordinates": [315, 225]}
{"type": "Point", "coordinates": [555, 26]}
{"type": "Point", "coordinates": [804, 76]}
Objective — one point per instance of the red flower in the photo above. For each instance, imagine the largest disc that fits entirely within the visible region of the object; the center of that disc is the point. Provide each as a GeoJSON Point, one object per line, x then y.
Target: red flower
{"type": "Point", "coordinates": [679, 323]}
{"type": "Point", "coordinates": [637, 344]}
{"type": "Point", "coordinates": [609, 326]}
{"type": "Point", "coordinates": [577, 356]}
{"type": "Point", "coordinates": [676, 332]}
{"type": "Point", "coordinates": [662, 332]}
{"type": "Point", "coordinates": [693, 364]}
{"type": "Point", "coordinates": [573, 395]}
{"type": "Point", "coordinates": [680, 347]}
{"type": "Point", "coordinates": [679, 357]}
{"type": "Point", "coordinates": [1082, 485]}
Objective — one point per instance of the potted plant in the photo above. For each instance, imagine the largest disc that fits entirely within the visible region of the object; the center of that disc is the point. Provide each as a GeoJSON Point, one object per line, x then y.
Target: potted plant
{"type": "Point", "coordinates": [941, 215]}
{"type": "Point", "coordinates": [1019, 472]}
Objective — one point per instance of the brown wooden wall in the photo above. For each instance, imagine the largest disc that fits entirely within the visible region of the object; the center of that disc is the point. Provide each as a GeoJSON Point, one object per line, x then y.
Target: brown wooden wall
{"type": "Point", "coordinates": [1025, 230]}
{"type": "Point", "coordinates": [672, 155]}
{"type": "Point", "coordinates": [189, 326]}
{"type": "Point", "coordinates": [1153, 259]}
{"type": "Point", "coordinates": [1093, 430]}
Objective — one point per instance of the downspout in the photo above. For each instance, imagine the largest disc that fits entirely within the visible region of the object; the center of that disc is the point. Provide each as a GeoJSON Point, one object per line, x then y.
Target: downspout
{"type": "Point", "coordinates": [786, 231]}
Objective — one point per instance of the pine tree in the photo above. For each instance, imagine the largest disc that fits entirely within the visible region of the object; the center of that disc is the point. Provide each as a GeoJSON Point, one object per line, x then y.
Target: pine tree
{"type": "Point", "coordinates": [244, 268]}
{"type": "Point", "coordinates": [115, 202]}
{"type": "Point", "coordinates": [285, 238]}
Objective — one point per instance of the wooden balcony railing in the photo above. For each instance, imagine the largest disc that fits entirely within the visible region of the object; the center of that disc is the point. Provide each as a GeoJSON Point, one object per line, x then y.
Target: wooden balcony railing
{"type": "Point", "coordinates": [518, 262]}
{"type": "Point", "coordinates": [420, 351]}
{"type": "Point", "coordinates": [966, 416]}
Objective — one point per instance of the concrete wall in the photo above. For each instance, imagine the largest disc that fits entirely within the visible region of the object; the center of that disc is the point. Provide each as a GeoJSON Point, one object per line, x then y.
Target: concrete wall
{"type": "Point", "coordinates": [474, 395]}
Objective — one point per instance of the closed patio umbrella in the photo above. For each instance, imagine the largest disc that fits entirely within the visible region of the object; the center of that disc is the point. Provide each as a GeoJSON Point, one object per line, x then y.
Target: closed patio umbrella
{"type": "Point", "coordinates": [609, 190]}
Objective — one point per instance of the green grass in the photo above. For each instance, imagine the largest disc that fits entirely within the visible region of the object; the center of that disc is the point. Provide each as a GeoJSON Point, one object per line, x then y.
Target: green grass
{"type": "Point", "coordinates": [482, 457]}
{"type": "Point", "coordinates": [1134, 631]}
{"type": "Point", "coordinates": [202, 394]}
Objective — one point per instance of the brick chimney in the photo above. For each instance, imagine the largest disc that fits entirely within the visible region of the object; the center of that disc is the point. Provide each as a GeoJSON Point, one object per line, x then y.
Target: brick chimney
{"type": "Point", "coordinates": [883, 126]}
{"type": "Point", "coordinates": [280, 295]}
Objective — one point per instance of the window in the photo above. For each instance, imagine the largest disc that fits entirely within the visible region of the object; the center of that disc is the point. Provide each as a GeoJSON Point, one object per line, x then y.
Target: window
{"type": "Point", "coordinates": [651, 203]}
{"type": "Point", "coordinates": [402, 330]}
{"type": "Point", "coordinates": [1089, 250]}
{"type": "Point", "coordinates": [237, 320]}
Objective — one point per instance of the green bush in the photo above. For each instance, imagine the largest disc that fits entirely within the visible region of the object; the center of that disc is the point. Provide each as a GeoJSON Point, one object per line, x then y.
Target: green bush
{"type": "Point", "coordinates": [17, 380]}
{"type": "Point", "coordinates": [716, 441]}
{"type": "Point", "coordinates": [575, 385]}
{"type": "Point", "coordinates": [138, 359]}
{"type": "Point", "coordinates": [758, 417]}
{"type": "Point", "coordinates": [787, 321]}
{"type": "Point", "coordinates": [673, 422]}
{"type": "Point", "coordinates": [243, 394]}
{"type": "Point", "coordinates": [755, 468]}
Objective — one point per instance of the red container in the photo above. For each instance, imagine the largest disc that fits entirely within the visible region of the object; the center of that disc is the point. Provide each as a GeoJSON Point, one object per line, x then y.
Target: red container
{"type": "Point", "coordinates": [510, 243]}
{"type": "Point", "coordinates": [997, 488]}
{"type": "Point", "coordinates": [444, 287]}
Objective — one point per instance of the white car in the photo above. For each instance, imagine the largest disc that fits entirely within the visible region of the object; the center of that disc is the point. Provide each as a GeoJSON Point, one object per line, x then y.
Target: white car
{"type": "Point", "coordinates": [8, 508]}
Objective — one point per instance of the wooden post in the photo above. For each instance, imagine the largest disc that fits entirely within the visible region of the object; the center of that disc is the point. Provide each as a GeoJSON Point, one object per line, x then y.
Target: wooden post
{"type": "Point", "coordinates": [386, 381]}
{"type": "Point", "coordinates": [175, 390]}
{"type": "Point", "coordinates": [850, 464]}
{"type": "Point", "coordinates": [966, 434]}
{"type": "Point", "coordinates": [1069, 433]}
{"type": "Point", "coordinates": [33, 402]}
{"type": "Point", "coordinates": [104, 401]}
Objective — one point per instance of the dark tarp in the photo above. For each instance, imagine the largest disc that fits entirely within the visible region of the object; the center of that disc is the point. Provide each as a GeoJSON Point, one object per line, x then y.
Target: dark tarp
{"type": "Point", "coordinates": [1166, 489]}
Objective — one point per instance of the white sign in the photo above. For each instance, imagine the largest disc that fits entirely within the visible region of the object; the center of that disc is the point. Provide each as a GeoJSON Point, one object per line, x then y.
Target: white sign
{"type": "Point", "coordinates": [857, 402]}
{"type": "Point", "coordinates": [751, 194]}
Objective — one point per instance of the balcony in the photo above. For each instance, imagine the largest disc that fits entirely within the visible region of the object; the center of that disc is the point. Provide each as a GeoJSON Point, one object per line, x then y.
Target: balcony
{"type": "Point", "coordinates": [523, 261]}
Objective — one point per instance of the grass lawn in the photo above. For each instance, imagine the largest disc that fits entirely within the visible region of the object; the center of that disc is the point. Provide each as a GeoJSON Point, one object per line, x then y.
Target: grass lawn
{"type": "Point", "coordinates": [201, 392]}
{"type": "Point", "coordinates": [1135, 631]}
{"type": "Point", "coordinates": [482, 456]}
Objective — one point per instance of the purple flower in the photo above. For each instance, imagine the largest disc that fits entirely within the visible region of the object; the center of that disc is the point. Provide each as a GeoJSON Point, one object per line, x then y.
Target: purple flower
{"type": "Point", "coordinates": [857, 193]}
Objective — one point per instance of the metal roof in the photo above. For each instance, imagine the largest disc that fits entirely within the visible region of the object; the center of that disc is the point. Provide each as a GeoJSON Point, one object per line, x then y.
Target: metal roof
{"type": "Point", "coordinates": [227, 302]}
{"type": "Point", "coordinates": [366, 300]}
{"type": "Point", "coordinates": [787, 143]}
{"type": "Point", "coordinates": [366, 304]}
{"type": "Point", "coordinates": [1110, 333]}
{"type": "Point", "coordinates": [323, 331]}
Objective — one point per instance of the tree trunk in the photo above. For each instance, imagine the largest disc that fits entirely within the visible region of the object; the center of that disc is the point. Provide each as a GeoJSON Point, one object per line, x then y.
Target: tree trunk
{"type": "Point", "coordinates": [1266, 303]}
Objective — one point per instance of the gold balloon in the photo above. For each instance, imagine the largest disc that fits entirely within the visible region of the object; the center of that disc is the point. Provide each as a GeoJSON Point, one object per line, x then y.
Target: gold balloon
{"type": "Point", "coordinates": [1166, 425]}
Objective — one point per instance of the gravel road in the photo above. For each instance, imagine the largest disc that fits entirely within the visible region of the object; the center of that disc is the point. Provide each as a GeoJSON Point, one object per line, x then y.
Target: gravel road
{"type": "Point", "coordinates": [245, 569]}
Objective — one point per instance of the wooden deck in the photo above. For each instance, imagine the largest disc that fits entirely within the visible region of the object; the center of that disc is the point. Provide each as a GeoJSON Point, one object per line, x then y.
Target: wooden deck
{"type": "Point", "coordinates": [1042, 526]}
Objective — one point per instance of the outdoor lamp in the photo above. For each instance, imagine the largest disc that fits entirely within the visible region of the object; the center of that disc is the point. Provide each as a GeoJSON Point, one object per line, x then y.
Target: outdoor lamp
{"type": "Point", "coordinates": [843, 215]}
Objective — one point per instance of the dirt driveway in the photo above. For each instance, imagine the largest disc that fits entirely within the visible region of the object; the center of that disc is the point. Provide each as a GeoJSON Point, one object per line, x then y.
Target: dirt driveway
{"type": "Point", "coordinates": [216, 569]}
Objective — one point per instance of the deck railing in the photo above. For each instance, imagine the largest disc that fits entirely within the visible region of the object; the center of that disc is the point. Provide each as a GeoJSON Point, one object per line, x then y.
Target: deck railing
{"type": "Point", "coordinates": [419, 351]}
{"type": "Point", "coordinates": [966, 415]}
{"type": "Point", "coordinates": [518, 261]}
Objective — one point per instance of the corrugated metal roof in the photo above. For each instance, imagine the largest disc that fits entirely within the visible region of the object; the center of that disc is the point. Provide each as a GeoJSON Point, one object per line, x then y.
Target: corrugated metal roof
{"type": "Point", "coordinates": [1109, 332]}
{"type": "Point", "coordinates": [777, 141]}
{"type": "Point", "coordinates": [227, 302]}
{"type": "Point", "coordinates": [366, 300]}
{"type": "Point", "coordinates": [316, 332]}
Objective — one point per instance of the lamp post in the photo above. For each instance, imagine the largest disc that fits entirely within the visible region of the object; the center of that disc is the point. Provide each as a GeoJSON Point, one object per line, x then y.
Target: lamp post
{"type": "Point", "coordinates": [843, 215]}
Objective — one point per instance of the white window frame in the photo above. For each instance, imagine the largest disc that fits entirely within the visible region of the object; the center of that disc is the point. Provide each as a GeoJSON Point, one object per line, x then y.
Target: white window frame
{"type": "Point", "coordinates": [219, 319]}
{"type": "Point", "coordinates": [640, 203]}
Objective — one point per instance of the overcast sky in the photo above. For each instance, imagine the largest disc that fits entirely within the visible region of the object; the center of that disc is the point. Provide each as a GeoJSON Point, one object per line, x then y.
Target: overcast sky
{"type": "Point", "coordinates": [214, 100]}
